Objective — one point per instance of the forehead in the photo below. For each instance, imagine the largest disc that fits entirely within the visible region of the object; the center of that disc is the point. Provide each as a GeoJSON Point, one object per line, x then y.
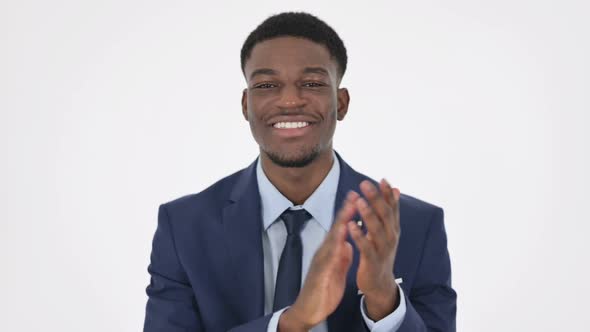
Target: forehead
{"type": "Point", "coordinates": [289, 53]}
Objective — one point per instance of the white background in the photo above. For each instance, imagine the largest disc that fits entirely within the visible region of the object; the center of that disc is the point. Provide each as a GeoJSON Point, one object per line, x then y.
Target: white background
{"type": "Point", "coordinates": [109, 108]}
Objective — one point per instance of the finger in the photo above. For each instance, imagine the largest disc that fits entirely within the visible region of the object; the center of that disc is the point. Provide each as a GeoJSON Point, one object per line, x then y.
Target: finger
{"type": "Point", "coordinates": [394, 193]}
{"type": "Point", "coordinates": [340, 234]}
{"type": "Point", "coordinates": [347, 210]}
{"type": "Point", "coordinates": [333, 245]}
{"type": "Point", "coordinates": [344, 258]}
{"type": "Point", "coordinates": [352, 196]}
{"type": "Point", "coordinates": [340, 252]}
{"type": "Point", "coordinates": [387, 193]}
{"type": "Point", "coordinates": [393, 196]}
{"type": "Point", "coordinates": [377, 202]}
{"type": "Point", "coordinates": [345, 213]}
{"type": "Point", "coordinates": [374, 226]}
{"type": "Point", "coordinates": [362, 243]}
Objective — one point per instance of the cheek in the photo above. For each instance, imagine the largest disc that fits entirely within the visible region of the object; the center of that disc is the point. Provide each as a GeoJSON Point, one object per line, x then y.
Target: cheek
{"type": "Point", "coordinates": [257, 108]}
{"type": "Point", "coordinates": [256, 121]}
{"type": "Point", "coordinates": [331, 114]}
{"type": "Point", "coordinates": [256, 124]}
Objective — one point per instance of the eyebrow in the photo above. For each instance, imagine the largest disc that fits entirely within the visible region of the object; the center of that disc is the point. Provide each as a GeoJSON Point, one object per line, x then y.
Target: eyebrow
{"type": "Point", "coordinates": [263, 71]}
{"type": "Point", "coordinates": [307, 70]}
{"type": "Point", "coordinates": [316, 70]}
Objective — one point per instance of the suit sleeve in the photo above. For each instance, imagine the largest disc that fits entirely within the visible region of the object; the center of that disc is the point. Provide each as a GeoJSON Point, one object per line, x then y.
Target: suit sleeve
{"type": "Point", "coordinates": [432, 304]}
{"type": "Point", "coordinates": [171, 305]}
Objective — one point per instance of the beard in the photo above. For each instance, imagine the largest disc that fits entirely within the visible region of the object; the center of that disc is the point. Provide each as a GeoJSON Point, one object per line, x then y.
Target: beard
{"type": "Point", "coordinates": [303, 158]}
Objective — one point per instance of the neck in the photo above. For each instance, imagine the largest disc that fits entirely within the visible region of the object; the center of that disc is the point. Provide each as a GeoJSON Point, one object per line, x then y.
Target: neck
{"type": "Point", "coordinates": [298, 183]}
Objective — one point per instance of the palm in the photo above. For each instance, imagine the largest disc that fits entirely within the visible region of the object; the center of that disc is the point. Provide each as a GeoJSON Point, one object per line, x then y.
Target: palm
{"type": "Point", "coordinates": [365, 274]}
{"type": "Point", "coordinates": [326, 286]}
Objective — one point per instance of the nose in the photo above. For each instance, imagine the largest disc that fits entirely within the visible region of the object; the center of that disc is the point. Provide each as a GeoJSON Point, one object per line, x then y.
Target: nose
{"type": "Point", "coordinates": [290, 97]}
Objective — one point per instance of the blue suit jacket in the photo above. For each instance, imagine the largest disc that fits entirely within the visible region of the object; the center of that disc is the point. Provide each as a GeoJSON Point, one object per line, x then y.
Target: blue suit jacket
{"type": "Point", "coordinates": [207, 263]}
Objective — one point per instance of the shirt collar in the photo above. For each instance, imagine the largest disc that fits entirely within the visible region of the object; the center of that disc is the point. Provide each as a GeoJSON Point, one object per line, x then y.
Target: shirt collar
{"type": "Point", "coordinates": [320, 204]}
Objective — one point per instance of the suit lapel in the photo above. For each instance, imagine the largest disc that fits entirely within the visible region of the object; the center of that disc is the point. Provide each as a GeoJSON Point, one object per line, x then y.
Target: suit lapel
{"type": "Point", "coordinates": [243, 228]}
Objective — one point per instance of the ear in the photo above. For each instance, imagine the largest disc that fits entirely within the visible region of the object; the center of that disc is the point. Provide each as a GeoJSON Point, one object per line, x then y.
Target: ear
{"type": "Point", "coordinates": [343, 101]}
{"type": "Point", "coordinates": [245, 104]}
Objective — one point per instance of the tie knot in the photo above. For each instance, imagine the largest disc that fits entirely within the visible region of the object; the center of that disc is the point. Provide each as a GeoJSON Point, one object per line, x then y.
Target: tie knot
{"type": "Point", "coordinates": [295, 220]}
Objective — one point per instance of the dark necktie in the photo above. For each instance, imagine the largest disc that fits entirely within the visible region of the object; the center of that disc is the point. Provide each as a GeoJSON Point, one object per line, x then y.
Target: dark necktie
{"type": "Point", "coordinates": [289, 273]}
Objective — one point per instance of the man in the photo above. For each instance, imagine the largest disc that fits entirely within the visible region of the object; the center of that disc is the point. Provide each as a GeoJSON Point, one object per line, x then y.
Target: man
{"type": "Point", "coordinates": [298, 240]}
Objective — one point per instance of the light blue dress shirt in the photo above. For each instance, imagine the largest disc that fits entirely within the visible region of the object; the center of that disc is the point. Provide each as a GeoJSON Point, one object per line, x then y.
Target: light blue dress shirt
{"type": "Point", "coordinates": [321, 207]}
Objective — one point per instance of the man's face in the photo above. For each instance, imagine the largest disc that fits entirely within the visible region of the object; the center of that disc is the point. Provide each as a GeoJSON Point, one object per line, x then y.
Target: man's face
{"type": "Point", "coordinates": [293, 101]}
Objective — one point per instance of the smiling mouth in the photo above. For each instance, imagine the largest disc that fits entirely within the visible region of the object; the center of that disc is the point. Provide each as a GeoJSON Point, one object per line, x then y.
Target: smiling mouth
{"type": "Point", "coordinates": [291, 125]}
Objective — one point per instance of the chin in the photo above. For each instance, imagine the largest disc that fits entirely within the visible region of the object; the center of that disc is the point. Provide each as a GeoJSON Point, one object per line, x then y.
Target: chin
{"type": "Point", "coordinates": [293, 160]}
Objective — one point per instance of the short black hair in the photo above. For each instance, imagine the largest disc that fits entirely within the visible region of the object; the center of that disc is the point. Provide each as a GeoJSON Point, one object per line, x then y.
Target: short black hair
{"type": "Point", "coordinates": [297, 24]}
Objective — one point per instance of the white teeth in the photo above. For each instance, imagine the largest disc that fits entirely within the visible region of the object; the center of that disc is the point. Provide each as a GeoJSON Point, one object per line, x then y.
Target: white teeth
{"type": "Point", "coordinates": [289, 125]}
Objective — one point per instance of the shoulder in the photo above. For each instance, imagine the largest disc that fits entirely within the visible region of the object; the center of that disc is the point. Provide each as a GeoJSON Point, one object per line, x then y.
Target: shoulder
{"type": "Point", "coordinates": [210, 199]}
{"type": "Point", "coordinates": [417, 208]}
{"type": "Point", "coordinates": [411, 208]}
{"type": "Point", "coordinates": [416, 215]}
{"type": "Point", "coordinates": [418, 219]}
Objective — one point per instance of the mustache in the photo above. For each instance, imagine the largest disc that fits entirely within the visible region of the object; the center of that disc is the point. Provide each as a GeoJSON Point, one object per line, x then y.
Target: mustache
{"type": "Point", "coordinates": [295, 114]}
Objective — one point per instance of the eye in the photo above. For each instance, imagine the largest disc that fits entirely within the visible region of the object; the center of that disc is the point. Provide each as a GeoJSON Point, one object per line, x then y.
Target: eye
{"type": "Point", "coordinates": [265, 86]}
{"type": "Point", "coordinates": [313, 84]}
